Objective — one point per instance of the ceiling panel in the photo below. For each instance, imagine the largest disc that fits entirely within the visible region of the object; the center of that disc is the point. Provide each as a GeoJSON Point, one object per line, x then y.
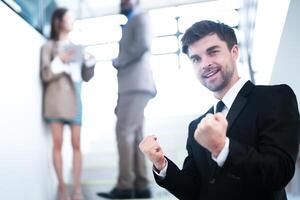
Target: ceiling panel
{"type": "Point", "coordinates": [95, 8]}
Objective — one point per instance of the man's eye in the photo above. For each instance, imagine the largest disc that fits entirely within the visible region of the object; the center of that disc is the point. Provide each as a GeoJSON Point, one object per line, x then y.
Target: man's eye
{"type": "Point", "coordinates": [213, 52]}
{"type": "Point", "coordinates": [196, 60]}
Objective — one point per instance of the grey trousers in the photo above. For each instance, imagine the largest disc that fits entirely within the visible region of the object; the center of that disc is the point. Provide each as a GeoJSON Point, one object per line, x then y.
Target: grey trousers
{"type": "Point", "coordinates": [129, 130]}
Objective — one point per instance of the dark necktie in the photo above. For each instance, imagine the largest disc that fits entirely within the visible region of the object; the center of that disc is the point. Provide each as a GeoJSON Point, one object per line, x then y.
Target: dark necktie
{"type": "Point", "coordinates": [220, 106]}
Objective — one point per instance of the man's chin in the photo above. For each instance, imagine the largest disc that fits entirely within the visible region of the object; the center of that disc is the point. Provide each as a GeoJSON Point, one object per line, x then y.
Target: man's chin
{"type": "Point", "coordinates": [214, 87]}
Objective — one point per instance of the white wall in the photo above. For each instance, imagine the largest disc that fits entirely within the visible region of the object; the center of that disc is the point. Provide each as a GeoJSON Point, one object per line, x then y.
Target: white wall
{"type": "Point", "coordinates": [270, 19]}
{"type": "Point", "coordinates": [26, 168]}
{"type": "Point", "coordinates": [287, 70]}
{"type": "Point", "coordinates": [287, 63]}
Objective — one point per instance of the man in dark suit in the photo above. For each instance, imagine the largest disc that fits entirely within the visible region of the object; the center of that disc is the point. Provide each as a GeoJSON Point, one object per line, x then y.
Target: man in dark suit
{"type": "Point", "coordinates": [136, 88]}
{"type": "Point", "coordinates": [244, 147]}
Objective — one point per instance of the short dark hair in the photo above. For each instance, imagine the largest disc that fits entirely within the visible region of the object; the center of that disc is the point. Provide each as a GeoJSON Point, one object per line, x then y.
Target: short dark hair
{"type": "Point", "coordinates": [203, 28]}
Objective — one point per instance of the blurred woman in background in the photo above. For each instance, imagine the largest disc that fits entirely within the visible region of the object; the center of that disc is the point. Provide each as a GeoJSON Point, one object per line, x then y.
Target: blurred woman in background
{"type": "Point", "coordinates": [63, 67]}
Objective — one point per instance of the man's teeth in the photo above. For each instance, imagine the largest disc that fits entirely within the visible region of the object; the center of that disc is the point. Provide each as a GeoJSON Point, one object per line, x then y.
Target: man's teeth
{"type": "Point", "coordinates": [210, 74]}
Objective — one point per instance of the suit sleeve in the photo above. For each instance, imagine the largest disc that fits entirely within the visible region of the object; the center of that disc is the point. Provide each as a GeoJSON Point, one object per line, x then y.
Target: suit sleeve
{"type": "Point", "coordinates": [185, 183]}
{"type": "Point", "coordinates": [88, 69]}
{"type": "Point", "coordinates": [271, 163]}
{"type": "Point", "coordinates": [140, 43]}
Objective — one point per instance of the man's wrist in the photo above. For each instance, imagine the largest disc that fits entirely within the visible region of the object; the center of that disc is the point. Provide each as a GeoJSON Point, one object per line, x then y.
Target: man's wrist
{"type": "Point", "coordinates": [155, 169]}
{"type": "Point", "coordinates": [218, 149]}
{"type": "Point", "coordinates": [161, 173]}
{"type": "Point", "coordinates": [159, 166]}
{"type": "Point", "coordinates": [222, 156]}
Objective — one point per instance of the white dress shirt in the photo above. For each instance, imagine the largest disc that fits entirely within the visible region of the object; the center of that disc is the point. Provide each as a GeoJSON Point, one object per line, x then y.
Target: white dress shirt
{"type": "Point", "coordinates": [228, 101]}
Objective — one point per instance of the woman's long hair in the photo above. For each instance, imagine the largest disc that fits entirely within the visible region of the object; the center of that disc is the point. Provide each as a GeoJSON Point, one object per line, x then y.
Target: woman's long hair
{"type": "Point", "coordinates": [56, 21]}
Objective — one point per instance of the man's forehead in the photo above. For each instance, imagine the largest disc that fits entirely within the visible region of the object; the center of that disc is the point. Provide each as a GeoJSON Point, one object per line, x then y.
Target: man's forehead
{"type": "Point", "coordinates": [206, 43]}
{"type": "Point", "coordinates": [210, 38]}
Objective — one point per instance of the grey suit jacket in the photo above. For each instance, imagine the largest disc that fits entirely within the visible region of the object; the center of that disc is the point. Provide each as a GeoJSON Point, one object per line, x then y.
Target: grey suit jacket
{"type": "Point", "coordinates": [59, 99]}
{"type": "Point", "coordinates": [133, 61]}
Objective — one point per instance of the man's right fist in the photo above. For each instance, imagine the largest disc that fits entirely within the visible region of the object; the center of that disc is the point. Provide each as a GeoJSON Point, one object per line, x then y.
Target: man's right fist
{"type": "Point", "coordinates": [150, 147]}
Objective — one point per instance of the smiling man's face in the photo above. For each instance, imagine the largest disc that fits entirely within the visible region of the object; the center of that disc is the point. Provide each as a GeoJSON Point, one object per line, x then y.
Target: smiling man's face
{"type": "Point", "coordinates": [214, 63]}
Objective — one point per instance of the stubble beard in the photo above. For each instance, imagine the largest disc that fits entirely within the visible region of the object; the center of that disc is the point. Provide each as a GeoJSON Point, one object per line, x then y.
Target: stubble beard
{"type": "Point", "coordinates": [220, 85]}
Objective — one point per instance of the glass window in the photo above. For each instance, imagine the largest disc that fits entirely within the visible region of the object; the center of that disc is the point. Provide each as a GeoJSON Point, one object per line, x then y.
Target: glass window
{"type": "Point", "coordinates": [164, 26]}
{"type": "Point", "coordinates": [166, 44]}
{"type": "Point", "coordinates": [164, 21]}
{"type": "Point", "coordinates": [104, 51]}
{"type": "Point", "coordinates": [34, 12]}
{"type": "Point", "coordinates": [98, 30]}
{"type": "Point", "coordinates": [173, 72]}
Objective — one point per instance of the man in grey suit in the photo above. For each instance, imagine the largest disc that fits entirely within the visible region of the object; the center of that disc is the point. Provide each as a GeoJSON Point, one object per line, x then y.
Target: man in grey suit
{"type": "Point", "coordinates": [135, 88]}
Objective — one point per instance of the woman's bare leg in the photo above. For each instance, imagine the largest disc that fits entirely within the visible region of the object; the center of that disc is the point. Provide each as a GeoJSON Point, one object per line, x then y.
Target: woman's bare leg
{"type": "Point", "coordinates": [77, 157]}
{"type": "Point", "coordinates": [57, 135]}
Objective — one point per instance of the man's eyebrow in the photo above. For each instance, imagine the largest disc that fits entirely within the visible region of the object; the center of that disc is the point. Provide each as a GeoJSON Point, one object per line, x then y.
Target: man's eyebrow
{"type": "Point", "coordinates": [212, 48]}
{"type": "Point", "coordinates": [209, 49]}
{"type": "Point", "coordinates": [194, 56]}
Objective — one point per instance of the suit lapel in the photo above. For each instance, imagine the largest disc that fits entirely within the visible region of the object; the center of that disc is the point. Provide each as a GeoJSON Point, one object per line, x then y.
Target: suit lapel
{"type": "Point", "coordinates": [239, 103]}
{"type": "Point", "coordinates": [235, 109]}
{"type": "Point", "coordinates": [237, 106]}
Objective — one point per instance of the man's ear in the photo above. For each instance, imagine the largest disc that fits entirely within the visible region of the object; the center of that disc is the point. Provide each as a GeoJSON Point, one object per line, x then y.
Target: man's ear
{"type": "Point", "coordinates": [235, 51]}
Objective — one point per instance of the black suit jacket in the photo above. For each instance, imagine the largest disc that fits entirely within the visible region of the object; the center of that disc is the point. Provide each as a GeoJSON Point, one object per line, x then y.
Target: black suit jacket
{"type": "Point", "coordinates": [263, 128]}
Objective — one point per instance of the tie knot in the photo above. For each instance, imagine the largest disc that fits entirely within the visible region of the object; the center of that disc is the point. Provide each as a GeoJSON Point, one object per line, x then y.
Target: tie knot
{"type": "Point", "coordinates": [220, 106]}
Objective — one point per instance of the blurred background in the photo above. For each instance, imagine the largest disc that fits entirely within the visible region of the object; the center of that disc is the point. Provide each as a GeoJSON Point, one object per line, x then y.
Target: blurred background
{"type": "Point", "coordinates": [268, 36]}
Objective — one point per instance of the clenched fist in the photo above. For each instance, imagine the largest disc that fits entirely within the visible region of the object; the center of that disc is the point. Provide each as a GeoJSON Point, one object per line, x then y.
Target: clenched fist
{"type": "Point", "coordinates": [211, 133]}
{"type": "Point", "coordinates": [150, 147]}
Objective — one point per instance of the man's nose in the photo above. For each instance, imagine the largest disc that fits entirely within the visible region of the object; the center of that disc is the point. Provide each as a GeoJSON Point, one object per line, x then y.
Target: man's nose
{"type": "Point", "coordinates": [206, 62]}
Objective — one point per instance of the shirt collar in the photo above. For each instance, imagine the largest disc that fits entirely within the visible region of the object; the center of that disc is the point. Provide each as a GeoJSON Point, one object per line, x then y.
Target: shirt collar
{"type": "Point", "coordinates": [232, 93]}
